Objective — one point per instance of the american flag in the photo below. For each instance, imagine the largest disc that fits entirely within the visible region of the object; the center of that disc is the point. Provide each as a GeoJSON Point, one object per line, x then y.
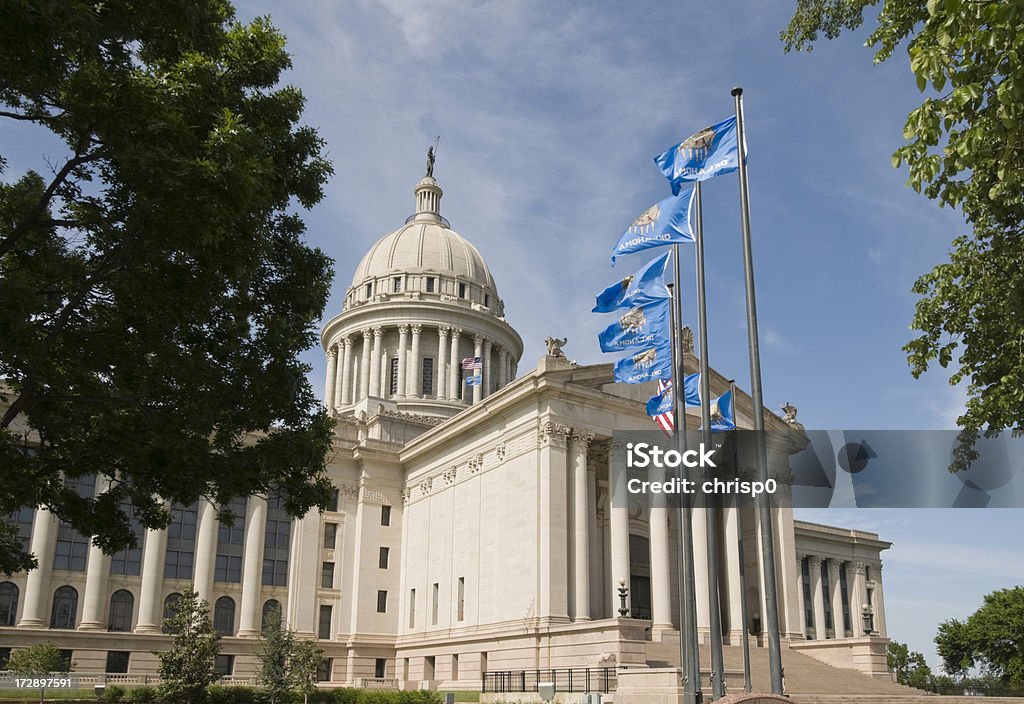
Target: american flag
{"type": "Point", "coordinates": [472, 363]}
{"type": "Point", "coordinates": [666, 420]}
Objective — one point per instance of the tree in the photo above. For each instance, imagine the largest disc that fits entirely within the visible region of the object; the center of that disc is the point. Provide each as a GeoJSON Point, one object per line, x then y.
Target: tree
{"type": "Point", "coordinates": [909, 666]}
{"type": "Point", "coordinates": [187, 669]}
{"type": "Point", "coordinates": [964, 149]}
{"type": "Point", "coordinates": [991, 638]}
{"type": "Point", "coordinates": [286, 663]}
{"type": "Point", "coordinates": [38, 661]}
{"type": "Point", "coordinates": [155, 289]}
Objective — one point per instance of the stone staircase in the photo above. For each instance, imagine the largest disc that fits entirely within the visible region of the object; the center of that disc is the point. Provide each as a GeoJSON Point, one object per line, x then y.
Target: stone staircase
{"type": "Point", "coordinates": [809, 681]}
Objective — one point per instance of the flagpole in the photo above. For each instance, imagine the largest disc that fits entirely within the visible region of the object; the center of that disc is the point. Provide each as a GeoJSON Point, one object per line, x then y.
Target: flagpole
{"type": "Point", "coordinates": [710, 502]}
{"type": "Point", "coordinates": [689, 656]}
{"type": "Point", "coordinates": [757, 401]}
{"type": "Point", "coordinates": [747, 685]}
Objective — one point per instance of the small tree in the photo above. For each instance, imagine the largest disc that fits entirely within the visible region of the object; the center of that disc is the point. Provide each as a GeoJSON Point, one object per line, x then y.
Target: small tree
{"type": "Point", "coordinates": [286, 663]}
{"type": "Point", "coordinates": [992, 639]}
{"type": "Point", "coordinates": [909, 666]}
{"type": "Point", "coordinates": [38, 661]}
{"type": "Point", "coordinates": [187, 669]}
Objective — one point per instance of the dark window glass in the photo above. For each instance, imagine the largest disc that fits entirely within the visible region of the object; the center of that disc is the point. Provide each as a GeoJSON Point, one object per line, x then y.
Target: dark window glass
{"type": "Point", "coordinates": [427, 378]}
{"type": "Point", "coordinates": [825, 589]}
{"type": "Point", "coordinates": [5, 655]}
{"type": "Point", "coordinates": [65, 606]}
{"type": "Point", "coordinates": [382, 562]}
{"type": "Point", "coordinates": [430, 284]}
{"type": "Point", "coordinates": [171, 605]}
{"type": "Point", "coordinates": [462, 290]}
{"type": "Point", "coordinates": [382, 601]}
{"type": "Point", "coordinates": [412, 608]}
{"type": "Point", "coordinates": [323, 631]}
{"type": "Point", "coordinates": [276, 543]}
{"type": "Point", "coordinates": [224, 616]}
{"type": "Point", "coordinates": [332, 505]}
{"type": "Point", "coordinates": [487, 300]}
{"type": "Point", "coordinates": [224, 665]}
{"type": "Point", "coordinates": [379, 668]}
{"type": "Point", "coordinates": [805, 570]}
{"type": "Point", "coordinates": [8, 603]}
{"type": "Point", "coordinates": [66, 657]}
{"type": "Point", "coordinates": [396, 284]}
{"type": "Point", "coordinates": [72, 549]}
{"type": "Point", "coordinates": [330, 535]}
{"type": "Point", "coordinates": [393, 376]}
{"type": "Point", "coordinates": [231, 544]}
{"type": "Point", "coordinates": [844, 592]}
{"type": "Point", "coordinates": [385, 515]}
{"type": "Point", "coordinates": [181, 542]}
{"type": "Point", "coordinates": [323, 670]}
{"type": "Point", "coordinates": [435, 603]}
{"type": "Point", "coordinates": [270, 607]}
{"type": "Point", "coordinates": [21, 521]}
{"type": "Point", "coordinates": [129, 560]}
{"type": "Point", "coordinates": [117, 662]}
{"type": "Point", "coordinates": [369, 290]}
{"type": "Point", "coordinates": [121, 603]}
{"type": "Point", "coordinates": [462, 598]}
{"type": "Point", "coordinates": [327, 575]}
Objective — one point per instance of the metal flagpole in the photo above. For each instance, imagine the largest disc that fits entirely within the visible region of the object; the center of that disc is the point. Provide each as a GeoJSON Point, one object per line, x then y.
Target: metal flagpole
{"type": "Point", "coordinates": [747, 686]}
{"type": "Point", "coordinates": [771, 598]}
{"type": "Point", "coordinates": [689, 657]}
{"type": "Point", "coordinates": [710, 502]}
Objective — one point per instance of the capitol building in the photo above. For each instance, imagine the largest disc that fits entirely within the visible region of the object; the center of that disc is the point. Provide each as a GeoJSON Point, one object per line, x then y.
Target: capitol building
{"type": "Point", "coordinates": [471, 530]}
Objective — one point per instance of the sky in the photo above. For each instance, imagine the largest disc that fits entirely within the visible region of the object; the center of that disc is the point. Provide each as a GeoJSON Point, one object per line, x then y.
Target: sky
{"type": "Point", "coordinates": [549, 114]}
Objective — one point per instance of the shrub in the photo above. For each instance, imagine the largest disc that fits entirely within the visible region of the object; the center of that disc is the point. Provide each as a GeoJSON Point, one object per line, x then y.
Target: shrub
{"type": "Point", "coordinates": [113, 693]}
{"type": "Point", "coordinates": [142, 695]}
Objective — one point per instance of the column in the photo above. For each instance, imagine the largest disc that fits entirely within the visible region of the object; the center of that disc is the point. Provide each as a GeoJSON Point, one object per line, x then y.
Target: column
{"type": "Point", "coordinates": [858, 598]}
{"type": "Point", "coordinates": [332, 374]}
{"type": "Point", "coordinates": [734, 606]}
{"type": "Point", "coordinates": [442, 363]}
{"type": "Point", "coordinates": [478, 389]}
{"type": "Point", "coordinates": [403, 360]}
{"type": "Point", "coordinates": [878, 603]}
{"type": "Point", "coordinates": [94, 600]}
{"type": "Point", "coordinates": [364, 367]}
{"type": "Point", "coordinates": [581, 526]}
{"type": "Point", "coordinates": [700, 570]}
{"type": "Point", "coordinates": [206, 550]}
{"type": "Point", "coordinates": [250, 617]}
{"type": "Point", "coordinates": [485, 376]}
{"type": "Point", "coordinates": [619, 520]}
{"type": "Point", "coordinates": [415, 375]}
{"type": "Point", "coordinates": [151, 596]}
{"type": "Point", "coordinates": [800, 593]}
{"type": "Point", "coordinates": [597, 580]}
{"type": "Point", "coordinates": [375, 386]}
{"type": "Point", "coordinates": [661, 579]}
{"type": "Point", "coordinates": [36, 613]}
{"type": "Point", "coordinates": [454, 368]}
{"type": "Point", "coordinates": [836, 596]}
{"type": "Point", "coordinates": [502, 367]}
{"type": "Point", "coordinates": [343, 395]}
{"type": "Point", "coordinates": [817, 597]}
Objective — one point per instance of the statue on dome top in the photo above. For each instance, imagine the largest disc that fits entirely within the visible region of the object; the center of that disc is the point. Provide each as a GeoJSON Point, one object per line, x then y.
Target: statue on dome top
{"type": "Point", "coordinates": [430, 162]}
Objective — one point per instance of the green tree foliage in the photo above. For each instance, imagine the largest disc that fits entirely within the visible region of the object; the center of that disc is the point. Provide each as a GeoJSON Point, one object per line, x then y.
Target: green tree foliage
{"type": "Point", "coordinates": [992, 639]}
{"type": "Point", "coordinates": [186, 670]}
{"type": "Point", "coordinates": [155, 289]}
{"type": "Point", "coordinates": [964, 148]}
{"type": "Point", "coordinates": [36, 660]}
{"type": "Point", "coordinates": [909, 666]}
{"type": "Point", "coordinates": [286, 663]}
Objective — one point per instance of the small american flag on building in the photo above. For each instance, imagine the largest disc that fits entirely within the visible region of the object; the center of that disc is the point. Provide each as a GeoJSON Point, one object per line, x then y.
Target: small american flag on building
{"type": "Point", "coordinates": [666, 420]}
{"type": "Point", "coordinates": [472, 363]}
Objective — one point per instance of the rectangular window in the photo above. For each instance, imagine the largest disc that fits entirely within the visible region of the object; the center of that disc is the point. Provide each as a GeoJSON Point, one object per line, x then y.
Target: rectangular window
{"type": "Point", "coordinates": [383, 561]}
{"type": "Point", "coordinates": [385, 515]}
{"type": "Point", "coordinates": [487, 300]}
{"type": "Point", "coordinates": [844, 593]}
{"type": "Point", "coordinates": [369, 290]}
{"type": "Point", "coordinates": [323, 630]}
{"type": "Point", "coordinates": [323, 670]}
{"type": "Point", "coordinates": [462, 598]}
{"type": "Point", "coordinates": [224, 665]}
{"type": "Point", "coordinates": [5, 655]}
{"type": "Point", "coordinates": [462, 290]}
{"type": "Point", "coordinates": [66, 658]}
{"type": "Point", "coordinates": [379, 668]}
{"type": "Point", "coordinates": [181, 542]}
{"type": "Point", "coordinates": [21, 521]}
{"type": "Point", "coordinates": [412, 608]}
{"type": "Point", "coordinates": [332, 505]}
{"type": "Point", "coordinates": [805, 571]}
{"type": "Point", "coordinates": [117, 662]}
{"type": "Point", "coordinates": [430, 284]}
{"type": "Point", "coordinates": [434, 603]}
{"type": "Point", "coordinates": [427, 378]}
{"type": "Point", "coordinates": [396, 284]}
{"type": "Point", "coordinates": [231, 544]}
{"type": "Point", "coordinates": [129, 560]}
{"type": "Point", "coordinates": [382, 601]}
{"type": "Point", "coordinates": [72, 547]}
{"type": "Point", "coordinates": [327, 575]}
{"type": "Point", "coordinates": [330, 535]}
{"type": "Point", "coordinates": [455, 666]}
{"type": "Point", "coordinates": [825, 589]}
{"type": "Point", "coordinates": [276, 543]}
{"type": "Point", "coordinates": [393, 376]}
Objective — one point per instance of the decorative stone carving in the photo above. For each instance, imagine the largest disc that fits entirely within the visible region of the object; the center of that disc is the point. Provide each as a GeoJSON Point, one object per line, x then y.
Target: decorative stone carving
{"type": "Point", "coordinates": [426, 485]}
{"type": "Point", "coordinates": [555, 346]}
{"type": "Point", "coordinates": [686, 339]}
{"type": "Point", "coordinates": [413, 417]}
{"type": "Point", "coordinates": [499, 451]}
{"type": "Point", "coordinates": [448, 476]}
{"type": "Point", "coordinates": [552, 432]}
{"type": "Point", "coordinates": [789, 413]}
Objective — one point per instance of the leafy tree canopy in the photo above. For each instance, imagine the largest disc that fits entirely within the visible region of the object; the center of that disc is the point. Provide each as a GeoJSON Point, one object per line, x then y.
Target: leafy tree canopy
{"type": "Point", "coordinates": [286, 663]}
{"type": "Point", "coordinates": [155, 289]}
{"type": "Point", "coordinates": [187, 669]}
{"type": "Point", "coordinates": [37, 660]}
{"type": "Point", "coordinates": [910, 666]}
{"type": "Point", "coordinates": [992, 638]}
{"type": "Point", "coordinates": [964, 148]}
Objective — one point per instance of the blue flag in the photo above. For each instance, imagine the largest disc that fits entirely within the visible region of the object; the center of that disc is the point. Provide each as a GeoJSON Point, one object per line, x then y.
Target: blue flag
{"type": "Point", "coordinates": [691, 389]}
{"type": "Point", "coordinates": [661, 402]}
{"type": "Point", "coordinates": [665, 222]}
{"type": "Point", "coordinates": [646, 285]}
{"type": "Point", "coordinates": [722, 416]}
{"type": "Point", "coordinates": [711, 152]}
{"type": "Point", "coordinates": [642, 326]}
{"type": "Point", "coordinates": [650, 363]}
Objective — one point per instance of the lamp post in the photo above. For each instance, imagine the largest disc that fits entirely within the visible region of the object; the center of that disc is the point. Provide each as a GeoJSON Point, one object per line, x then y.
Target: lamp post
{"type": "Point", "coordinates": [868, 615]}
{"type": "Point", "coordinates": [623, 592]}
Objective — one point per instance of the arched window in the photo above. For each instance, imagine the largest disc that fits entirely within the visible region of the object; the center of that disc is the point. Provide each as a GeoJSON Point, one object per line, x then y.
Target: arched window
{"type": "Point", "coordinates": [65, 606]}
{"type": "Point", "coordinates": [9, 603]}
{"type": "Point", "coordinates": [121, 603]}
{"type": "Point", "coordinates": [170, 607]}
{"type": "Point", "coordinates": [270, 607]}
{"type": "Point", "coordinates": [224, 616]}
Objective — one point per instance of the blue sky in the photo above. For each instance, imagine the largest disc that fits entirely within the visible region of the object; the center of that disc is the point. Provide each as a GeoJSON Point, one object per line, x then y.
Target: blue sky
{"type": "Point", "coordinates": [549, 115]}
